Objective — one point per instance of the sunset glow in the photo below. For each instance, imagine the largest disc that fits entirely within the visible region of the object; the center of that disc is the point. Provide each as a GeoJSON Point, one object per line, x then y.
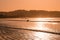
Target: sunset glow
{"type": "Point", "coordinates": [50, 5]}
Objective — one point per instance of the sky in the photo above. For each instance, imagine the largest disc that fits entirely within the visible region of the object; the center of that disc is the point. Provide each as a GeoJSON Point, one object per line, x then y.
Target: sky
{"type": "Point", "coordinates": [10, 5]}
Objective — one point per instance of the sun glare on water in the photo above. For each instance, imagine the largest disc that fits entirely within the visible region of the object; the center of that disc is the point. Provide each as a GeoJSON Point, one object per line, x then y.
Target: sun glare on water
{"type": "Point", "coordinates": [41, 24]}
{"type": "Point", "coordinates": [44, 24]}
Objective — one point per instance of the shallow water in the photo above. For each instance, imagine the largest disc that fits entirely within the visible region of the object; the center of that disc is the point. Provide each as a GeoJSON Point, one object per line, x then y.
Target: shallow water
{"type": "Point", "coordinates": [33, 23]}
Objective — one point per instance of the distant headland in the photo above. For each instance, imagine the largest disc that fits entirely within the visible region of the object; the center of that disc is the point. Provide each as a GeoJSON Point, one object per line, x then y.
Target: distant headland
{"type": "Point", "coordinates": [29, 14]}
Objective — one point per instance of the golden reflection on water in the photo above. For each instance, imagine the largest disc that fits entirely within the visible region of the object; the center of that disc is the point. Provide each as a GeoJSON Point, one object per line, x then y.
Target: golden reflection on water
{"type": "Point", "coordinates": [46, 36]}
{"type": "Point", "coordinates": [46, 19]}
{"type": "Point", "coordinates": [41, 26]}
{"type": "Point", "coordinates": [47, 26]}
{"type": "Point", "coordinates": [43, 36]}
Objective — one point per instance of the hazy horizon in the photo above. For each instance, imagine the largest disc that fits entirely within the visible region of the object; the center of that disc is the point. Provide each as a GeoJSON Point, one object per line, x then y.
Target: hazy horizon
{"type": "Point", "coordinates": [10, 5]}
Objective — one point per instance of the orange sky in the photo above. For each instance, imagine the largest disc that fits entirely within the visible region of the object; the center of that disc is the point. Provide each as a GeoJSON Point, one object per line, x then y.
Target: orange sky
{"type": "Point", "coordinates": [9, 5]}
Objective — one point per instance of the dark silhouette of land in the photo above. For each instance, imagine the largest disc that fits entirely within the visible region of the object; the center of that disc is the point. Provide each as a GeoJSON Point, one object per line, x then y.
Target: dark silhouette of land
{"type": "Point", "coordinates": [31, 14]}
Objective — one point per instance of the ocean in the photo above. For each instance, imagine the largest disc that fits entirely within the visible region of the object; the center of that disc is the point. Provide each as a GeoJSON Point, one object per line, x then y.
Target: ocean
{"type": "Point", "coordinates": [30, 29]}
